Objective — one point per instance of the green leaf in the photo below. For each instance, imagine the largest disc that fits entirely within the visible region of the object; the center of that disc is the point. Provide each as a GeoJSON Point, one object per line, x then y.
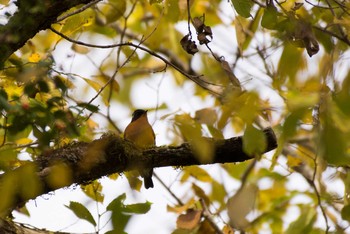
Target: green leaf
{"type": "Point", "coordinates": [119, 218]}
{"type": "Point", "coordinates": [333, 144]}
{"type": "Point", "coordinates": [242, 7]}
{"type": "Point", "coordinates": [290, 63]}
{"type": "Point", "coordinates": [291, 123]}
{"type": "Point", "coordinates": [89, 106]}
{"type": "Point", "coordinates": [81, 212]}
{"type": "Point", "coordinates": [254, 141]}
{"type": "Point", "coordinates": [345, 213]}
{"type": "Point", "coordinates": [138, 208]}
{"type": "Point", "coordinates": [269, 18]}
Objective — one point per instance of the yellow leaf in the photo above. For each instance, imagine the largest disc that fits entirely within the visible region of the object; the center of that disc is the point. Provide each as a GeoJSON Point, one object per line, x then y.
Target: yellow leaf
{"type": "Point", "coordinates": [227, 230]}
{"type": "Point", "coordinates": [191, 130]}
{"type": "Point", "coordinates": [77, 21]}
{"type": "Point", "coordinates": [114, 84]}
{"type": "Point", "coordinates": [34, 58]}
{"type": "Point", "coordinates": [94, 190]}
{"type": "Point", "coordinates": [114, 176]}
{"type": "Point", "coordinates": [134, 182]}
{"type": "Point", "coordinates": [24, 141]}
{"type": "Point", "coordinates": [93, 84]}
{"type": "Point", "coordinates": [197, 173]}
{"type": "Point", "coordinates": [92, 124]}
{"type": "Point", "coordinates": [293, 161]}
{"type": "Point", "coordinates": [180, 209]}
{"type": "Point", "coordinates": [60, 176]}
{"type": "Point", "coordinates": [80, 49]}
{"type": "Point", "coordinates": [4, 2]}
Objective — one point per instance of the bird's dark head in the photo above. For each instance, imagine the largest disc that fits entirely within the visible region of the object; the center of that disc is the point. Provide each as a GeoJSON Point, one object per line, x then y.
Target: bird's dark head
{"type": "Point", "coordinates": [138, 113]}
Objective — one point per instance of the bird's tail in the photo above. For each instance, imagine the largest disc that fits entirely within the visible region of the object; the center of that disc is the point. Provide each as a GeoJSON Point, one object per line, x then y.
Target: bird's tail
{"type": "Point", "coordinates": [147, 177]}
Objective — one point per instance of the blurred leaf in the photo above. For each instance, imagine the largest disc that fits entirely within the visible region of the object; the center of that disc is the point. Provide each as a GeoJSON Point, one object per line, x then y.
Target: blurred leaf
{"type": "Point", "coordinates": [93, 84]}
{"type": "Point", "coordinates": [172, 10]}
{"type": "Point", "coordinates": [4, 2]}
{"type": "Point", "coordinates": [34, 58]}
{"type": "Point", "coordinates": [133, 179]}
{"type": "Point", "coordinates": [269, 18]}
{"type": "Point", "coordinates": [290, 63]}
{"type": "Point", "coordinates": [218, 194]}
{"type": "Point", "coordinates": [77, 21]}
{"type": "Point", "coordinates": [242, 7]}
{"type": "Point", "coordinates": [251, 29]}
{"type": "Point", "coordinates": [216, 133]}
{"type": "Point", "coordinates": [291, 123]}
{"type": "Point", "coordinates": [189, 220]}
{"type": "Point", "coordinates": [333, 144]}
{"type": "Point", "coordinates": [114, 10]}
{"type": "Point", "coordinates": [80, 49]}
{"type": "Point", "coordinates": [191, 130]}
{"type": "Point", "coordinates": [197, 173]}
{"type": "Point", "coordinates": [206, 228]}
{"type": "Point", "coordinates": [235, 170]}
{"type": "Point", "coordinates": [241, 35]}
{"type": "Point", "coordinates": [94, 191]}
{"type": "Point", "coordinates": [60, 176]}
{"type": "Point", "coordinates": [81, 212]}
{"type": "Point", "coordinates": [293, 161]}
{"type": "Point", "coordinates": [89, 106]}
{"type": "Point", "coordinates": [241, 204]}
{"type": "Point", "coordinates": [24, 141]}
{"type": "Point", "coordinates": [345, 213]}
{"type": "Point", "coordinates": [138, 208]}
{"type": "Point", "coordinates": [206, 116]}
{"type": "Point", "coordinates": [301, 100]}
{"type": "Point", "coordinates": [200, 193]}
{"type": "Point", "coordinates": [180, 209]}
{"type": "Point", "coordinates": [254, 141]}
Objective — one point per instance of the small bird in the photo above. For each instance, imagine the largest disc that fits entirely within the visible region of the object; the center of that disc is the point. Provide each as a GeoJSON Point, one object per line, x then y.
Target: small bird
{"type": "Point", "coordinates": [141, 133]}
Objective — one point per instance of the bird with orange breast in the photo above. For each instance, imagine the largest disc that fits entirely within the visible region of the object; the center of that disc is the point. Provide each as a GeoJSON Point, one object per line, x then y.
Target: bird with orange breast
{"type": "Point", "coordinates": [141, 133]}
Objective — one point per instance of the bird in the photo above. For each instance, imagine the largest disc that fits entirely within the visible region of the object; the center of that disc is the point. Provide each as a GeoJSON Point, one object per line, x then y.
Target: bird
{"type": "Point", "coordinates": [140, 132]}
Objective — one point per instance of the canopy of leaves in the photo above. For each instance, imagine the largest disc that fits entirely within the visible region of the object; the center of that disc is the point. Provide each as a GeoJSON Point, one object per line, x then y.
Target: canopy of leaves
{"type": "Point", "coordinates": [71, 71]}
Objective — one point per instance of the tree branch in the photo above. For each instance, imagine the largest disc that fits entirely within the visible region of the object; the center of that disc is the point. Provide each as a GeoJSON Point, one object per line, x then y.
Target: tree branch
{"type": "Point", "coordinates": [81, 162]}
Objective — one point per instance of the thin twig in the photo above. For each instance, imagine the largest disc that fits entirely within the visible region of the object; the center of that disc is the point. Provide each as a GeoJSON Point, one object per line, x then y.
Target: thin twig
{"type": "Point", "coordinates": [202, 83]}
{"type": "Point", "coordinates": [168, 189]}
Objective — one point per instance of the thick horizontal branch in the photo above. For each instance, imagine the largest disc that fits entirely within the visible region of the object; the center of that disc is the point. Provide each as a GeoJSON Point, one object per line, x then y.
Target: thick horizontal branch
{"type": "Point", "coordinates": [81, 163]}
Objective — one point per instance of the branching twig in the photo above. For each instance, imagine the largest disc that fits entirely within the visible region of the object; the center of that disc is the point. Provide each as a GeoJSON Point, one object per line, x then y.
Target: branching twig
{"type": "Point", "coordinates": [202, 83]}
